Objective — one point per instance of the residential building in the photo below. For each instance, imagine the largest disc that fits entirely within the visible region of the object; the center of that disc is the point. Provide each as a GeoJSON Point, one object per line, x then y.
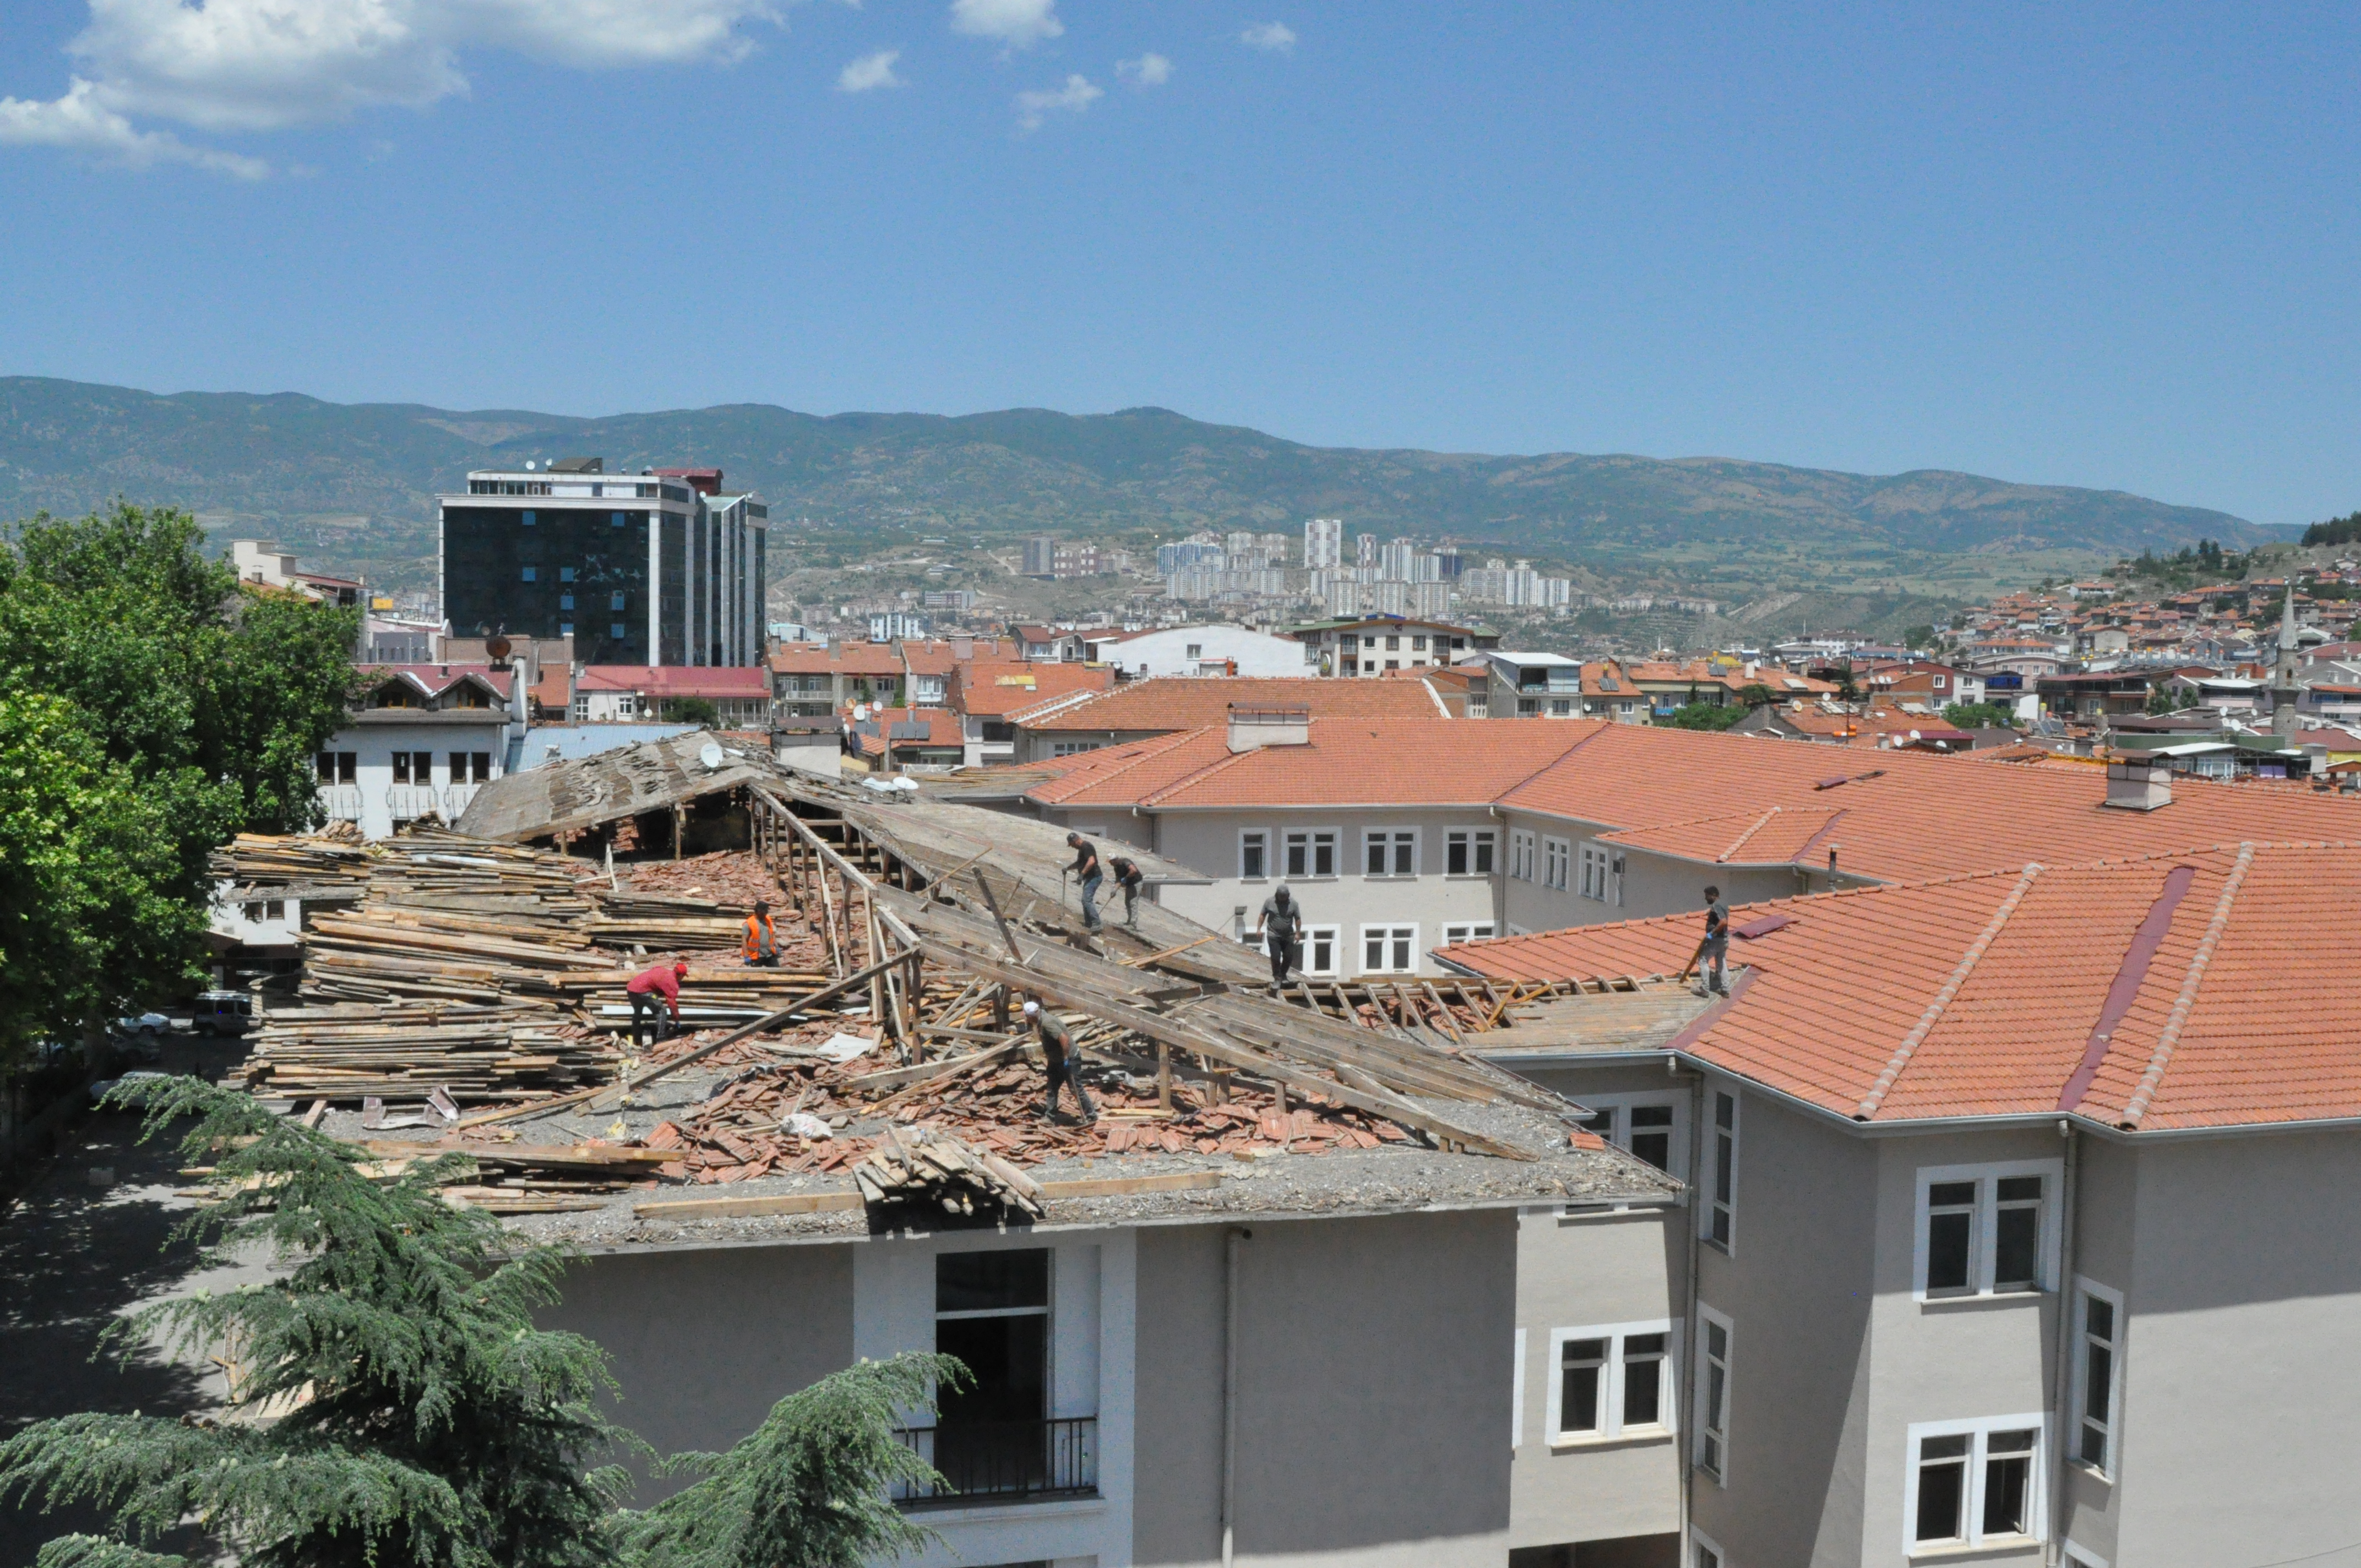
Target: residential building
{"type": "Point", "coordinates": [986, 694]}
{"type": "Point", "coordinates": [1087, 719]}
{"type": "Point", "coordinates": [420, 740]}
{"type": "Point", "coordinates": [812, 680]}
{"type": "Point", "coordinates": [891, 739]}
{"type": "Point", "coordinates": [1047, 643]}
{"type": "Point", "coordinates": [610, 694]}
{"type": "Point", "coordinates": [1372, 645]}
{"type": "Point", "coordinates": [638, 569]}
{"type": "Point", "coordinates": [1205, 650]}
{"type": "Point", "coordinates": [1040, 558]}
{"type": "Point", "coordinates": [896, 626]}
{"type": "Point", "coordinates": [270, 567]}
{"type": "Point", "coordinates": [1202, 551]}
{"type": "Point", "coordinates": [2007, 1235]}
{"type": "Point", "coordinates": [1323, 542]}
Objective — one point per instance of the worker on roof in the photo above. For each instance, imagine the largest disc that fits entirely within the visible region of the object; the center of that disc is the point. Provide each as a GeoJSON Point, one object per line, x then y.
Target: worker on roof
{"type": "Point", "coordinates": [1128, 877]}
{"type": "Point", "coordinates": [1058, 1052]}
{"type": "Point", "coordinates": [1086, 868]}
{"type": "Point", "coordinates": [1282, 933]}
{"type": "Point", "coordinates": [656, 980]}
{"type": "Point", "coordinates": [762, 937]}
{"type": "Point", "coordinates": [1713, 953]}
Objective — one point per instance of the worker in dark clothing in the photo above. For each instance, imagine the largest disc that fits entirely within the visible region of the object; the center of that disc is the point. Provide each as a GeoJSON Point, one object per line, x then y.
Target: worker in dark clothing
{"type": "Point", "coordinates": [648, 1022]}
{"type": "Point", "coordinates": [1282, 932]}
{"type": "Point", "coordinates": [1086, 868]}
{"type": "Point", "coordinates": [762, 937]}
{"type": "Point", "coordinates": [1713, 954]}
{"type": "Point", "coordinates": [1058, 1052]}
{"type": "Point", "coordinates": [1128, 877]}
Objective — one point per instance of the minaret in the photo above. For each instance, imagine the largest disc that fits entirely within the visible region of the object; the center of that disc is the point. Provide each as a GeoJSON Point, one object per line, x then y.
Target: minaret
{"type": "Point", "coordinates": [2285, 694]}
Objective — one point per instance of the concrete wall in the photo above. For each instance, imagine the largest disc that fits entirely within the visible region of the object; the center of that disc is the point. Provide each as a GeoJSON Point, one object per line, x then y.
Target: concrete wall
{"type": "Point", "coordinates": [1374, 1362]}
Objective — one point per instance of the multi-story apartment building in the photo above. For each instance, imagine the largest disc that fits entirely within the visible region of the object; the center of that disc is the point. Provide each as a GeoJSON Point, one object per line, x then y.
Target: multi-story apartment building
{"type": "Point", "coordinates": [421, 739]}
{"type": "Point", "coordinates": [1087, 719]}
{"type": "Point", "coordinates": [1374, 645]}
{"type": "Point", "coordinates": [1324, 542]}
{"type": "Point", "coordinates": [652, 568]}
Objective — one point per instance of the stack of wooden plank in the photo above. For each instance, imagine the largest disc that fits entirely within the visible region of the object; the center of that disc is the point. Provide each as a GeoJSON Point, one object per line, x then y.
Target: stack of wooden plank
{"type": "Point", "coordinates": [927, 1165]}
{"type": "Point", "coordinates": [325, 868]}
{"type": "Point", "coordinates": [495, 1051]}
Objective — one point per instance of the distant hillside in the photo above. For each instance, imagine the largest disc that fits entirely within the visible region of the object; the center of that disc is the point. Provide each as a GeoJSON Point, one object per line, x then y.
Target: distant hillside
{"type": "Point", "coordinates": [353, 484]}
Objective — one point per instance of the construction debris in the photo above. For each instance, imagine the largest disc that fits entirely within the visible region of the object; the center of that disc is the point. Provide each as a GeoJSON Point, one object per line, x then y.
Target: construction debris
{"type": "Point", "coordinates": [927, 1165]}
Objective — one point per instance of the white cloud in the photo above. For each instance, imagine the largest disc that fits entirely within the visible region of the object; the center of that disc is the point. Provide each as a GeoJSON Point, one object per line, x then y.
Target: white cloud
{"type": "Point", "coordinates": [1018, 24]}
{"type": "Point", "coordinates": [1148, 71]}
{"type": "Point", "coordinates": [1275, 37]}
{"type": "Point", "coordinates": [78, 123]}
{"type": "Point", "coordinates": [869, 70]}
{"type": "Point", "coordinates": [259, 65]}
{"type": "Point", "coordinates": [1076, 95]}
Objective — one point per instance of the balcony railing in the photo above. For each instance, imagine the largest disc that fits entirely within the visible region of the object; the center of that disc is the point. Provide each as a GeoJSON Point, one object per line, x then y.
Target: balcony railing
{"type": "Point", "coordinates": [1004, 1462]}
{"type": "Point", "coordinates": [455, 799]}
{"type": "Point", "coordinates": [342, 802]}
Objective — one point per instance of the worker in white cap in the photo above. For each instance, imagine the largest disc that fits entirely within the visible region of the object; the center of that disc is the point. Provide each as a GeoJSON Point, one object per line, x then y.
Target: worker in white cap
{"type": "Point", "coordinates": [1057, 1051]}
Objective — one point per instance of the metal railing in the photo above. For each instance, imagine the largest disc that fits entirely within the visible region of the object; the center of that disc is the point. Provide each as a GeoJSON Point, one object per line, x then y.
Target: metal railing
{"type": "Point", "coordinates": [1003, 1461]}
{"type": "Point", "coordinates": [342, 802]}
{"type": "Point", "coordinates": [456, 798]}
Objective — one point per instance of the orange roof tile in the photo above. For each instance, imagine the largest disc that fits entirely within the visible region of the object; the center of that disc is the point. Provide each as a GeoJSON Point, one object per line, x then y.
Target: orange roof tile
{"type": "Point", "coordinates": [847, 659]}
{"type": "Point", "coordinates": [2196, 988]}
{"type": "Point", "coordinates": [1185, 702]}
{"type": "Point", "coordinates": [996, 690]}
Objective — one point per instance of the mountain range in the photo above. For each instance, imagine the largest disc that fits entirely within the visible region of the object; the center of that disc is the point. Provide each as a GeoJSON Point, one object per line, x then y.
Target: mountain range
{"type": "Point", "coordinates": [353, 485]}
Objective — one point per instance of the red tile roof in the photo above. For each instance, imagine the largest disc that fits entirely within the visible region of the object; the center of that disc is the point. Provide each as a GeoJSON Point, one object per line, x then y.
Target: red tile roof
{"type": "Point", "coordinates": [2033, 991]}
{"type": "Point", "coordinates": [942, 729]}
{"type": "Point", "coordinates": [1186, 702]}
{"type": "Point", "coordinates": [848, 659]}
{"type": "Point", "coordinates": [675, 680]}
{"type": "Point", "coordinates": [992, 690]}
{"type": "Point", "coordinates": [1348, 761]}
{"type": "Point", "coordinates": [433, 680]}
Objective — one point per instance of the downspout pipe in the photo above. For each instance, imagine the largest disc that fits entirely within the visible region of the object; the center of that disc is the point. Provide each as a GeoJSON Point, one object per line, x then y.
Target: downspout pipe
{"type": "Point", "coordinates": [2069, 1332]}
{"type": "Point", "coordinates": [1232, 1242]}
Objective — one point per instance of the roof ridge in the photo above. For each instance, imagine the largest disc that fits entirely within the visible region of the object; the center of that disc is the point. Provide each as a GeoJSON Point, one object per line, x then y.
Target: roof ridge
{"type": "Point", "coordinates": [1057, 703]}
{"type": "Point", "coordinates": [2183, 1005]}
{"type": "Point", "coordinates": [1434, 697]}
{"type": "Point", "coordinates": [1740, 842]}
{"type": "Point", "coordinates": [1910, 1042]}
{"type": "Point", "coordinates": [1152, 748]}
{"type": "Point", "coordinates": [1156, 797]}
{"type": "Point", "coordinates": [1604, 726]}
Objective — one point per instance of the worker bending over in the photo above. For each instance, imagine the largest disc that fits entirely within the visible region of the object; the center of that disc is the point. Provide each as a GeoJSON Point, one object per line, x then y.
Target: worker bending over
{"type": "Point", "coordinates": [762, 937]}
{"type": "Point", "coordinates": [1128, 877]}
{"type": "Point", "coordinates": [1283, 929]}
{"type": "Point", "coordinates": [647, 1021]}
{"type": "Point", "coordinates": [1086, 868]}
{"type": "Point", "coordinates": [1058, 1052]}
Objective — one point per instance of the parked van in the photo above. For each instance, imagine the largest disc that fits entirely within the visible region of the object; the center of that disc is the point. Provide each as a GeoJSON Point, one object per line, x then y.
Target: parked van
{"type": "Point", "coordinates": [222, 1013]}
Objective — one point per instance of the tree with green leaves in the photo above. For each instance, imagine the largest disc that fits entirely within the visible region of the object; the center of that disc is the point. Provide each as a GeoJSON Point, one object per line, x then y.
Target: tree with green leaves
{"type": "Point", "coordinates": [1703, 715]}
{"type": "Point", "coordinates": [690, 710]}
{"type": "Point", "coordinates": [395, 1404]}
{"type": "Point", "coordinates": [1979, 715]}
{"type": "Point", "coordinates": [1754, 695]}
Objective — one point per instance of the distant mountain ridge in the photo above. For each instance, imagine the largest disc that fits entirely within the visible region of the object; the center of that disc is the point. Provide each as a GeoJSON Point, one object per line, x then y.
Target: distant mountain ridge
{"type": "Point", "coordinates": [355, 482]}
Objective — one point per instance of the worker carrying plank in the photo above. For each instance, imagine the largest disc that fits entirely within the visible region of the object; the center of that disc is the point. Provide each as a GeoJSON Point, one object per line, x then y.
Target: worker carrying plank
{"type": "Point", "coordinates": [1713, 953]}
{"type": "Point", "coordinates": [1058, 1052]}
{"type": "Point", "coordinates": [1087, 870]}
{"type": "Point", "coordinates": [1282, 933]}
{"type": "Point", "coordinates": [657, 980]}
{"type": "Point", "coordinates": [1128, 877]}
{"type": "Point", "coordinates": [762, 937]}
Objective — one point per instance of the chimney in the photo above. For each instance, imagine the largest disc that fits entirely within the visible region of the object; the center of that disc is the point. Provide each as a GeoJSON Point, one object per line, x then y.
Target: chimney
{"type": "Point", "coordinates": [2138, 786]}
{"type": "Point", "coordinates": [1253, 728]}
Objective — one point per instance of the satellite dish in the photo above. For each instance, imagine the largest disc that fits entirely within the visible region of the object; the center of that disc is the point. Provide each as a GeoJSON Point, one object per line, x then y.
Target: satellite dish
{"type": "Point", "coordinates": [528, 464]}
{"type": "Point", "coordinates": [710, 754]}
{"type": "Point", "coordinates": [498, 647]}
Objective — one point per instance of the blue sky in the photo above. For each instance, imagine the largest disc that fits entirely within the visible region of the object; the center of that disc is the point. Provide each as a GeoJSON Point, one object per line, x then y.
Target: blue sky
{"type": "Point", "coordinates": [2102, 246]}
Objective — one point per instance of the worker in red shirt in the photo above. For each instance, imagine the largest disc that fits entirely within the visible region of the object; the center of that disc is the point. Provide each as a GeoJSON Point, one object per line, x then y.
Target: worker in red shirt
{"type": "Point", "coordinates": [656, 980]}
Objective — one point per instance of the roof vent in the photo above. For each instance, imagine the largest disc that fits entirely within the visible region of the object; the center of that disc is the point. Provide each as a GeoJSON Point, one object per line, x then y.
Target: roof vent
{"type": "Point", "coordinates": [2138, 786]}
{"type": "Point", "coordinates": [1253, 728]}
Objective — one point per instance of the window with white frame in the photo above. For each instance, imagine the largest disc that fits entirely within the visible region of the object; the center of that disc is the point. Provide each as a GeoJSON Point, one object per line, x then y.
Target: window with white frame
{"type": "Point", "coordinates": [2083, 1557]}
{"type": "Point", "coordinates": [1973, 1482]}
{"type": "Point", "coordinates": [1557, 860]}
{"type": "Point", "coordinates": [2098, 1373]}
{"type": "Point", "coordinates": [1615, 1380]}
{"type": "Point", "coordinates": [1715, 1334]}
{"type": "Point", "coordinates": [1073, 748]}
{"type": "Point", "coordinates": [1389, 852]}
{"type": "Point", "coordinates": [1521, 855]}
{"type": "Point", "coordinates": [1651, 1126]}
{"type": "Point", "coordinates": [1985, 1230]}
{"type": "Point", "coordinates": [1704, 1553]}
{"type": "Point", "coordinates": [1718, 1213]}
{"type": "Point", "coordinates": [1311, 853]}
{"type": "Point", "coordinates": [1388, 949]}
{"type": "Point", "coordinates": [1253, 854]}
{"type": "Point", "coordinates": [1594, 872]}
{"type": "Point", "coordinates": [1467, 931]}
{"type": "Point", "coordinates": [1320, 945]}
{"type": "Point", "coordinates": [1467, 851]}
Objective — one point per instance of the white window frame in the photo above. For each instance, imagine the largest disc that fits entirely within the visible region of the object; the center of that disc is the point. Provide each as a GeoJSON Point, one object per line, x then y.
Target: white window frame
{"type": "Point", "coordinates": [1392, 839]}
{"type": "Point", "coordinates": [2086, 1290]}
{"type": "Point", "coordinates": [1472, 840]}
{"type": "Point", "coordinates": [1610, 1384]}
{"type": "Point", "coordinates": [1987, 1226]}
{"type": "Point", "coordinates": [1704, 1423]}
{"type": "Point", "coordinates": [1617, 1110]}
{"type": "Point", "coordinates": [1313, 937]}
{"type": "Point", "coordinates": [1594, 872]}
{"type": "Point", "coordinates": [1521, 853]}
{"type": "Point", "coordinates": [1557, 863]}
{"type": "Point", "coordinates": [1705, 1551]}
{"type": "Point", "coordinates": [1310, 837]}
{"type": "Point", "coordinates": [1458, 931]}
{"type": "Point", "coordinates": [1517, 1398]}
{"type": "Point", "coordinates": [1710, 1204]}
{"type": "Point", "coordinates": [1074, 748]}
{"type": "Point", "coordinates": [1978, 1431]}
{"type": "Point", "coordinates": [1265, 836]}
{"type": "Point", "coordinates": [1393, 930]}
{"type": "Point", "coordinates": [2083, 1557]}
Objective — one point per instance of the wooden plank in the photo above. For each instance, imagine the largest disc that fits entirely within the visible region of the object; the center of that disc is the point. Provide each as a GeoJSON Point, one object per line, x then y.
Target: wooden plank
{"type": "Point", "coordinates": [895, 1078]}
{"type": "Point", "coordinates": [1170, 953]}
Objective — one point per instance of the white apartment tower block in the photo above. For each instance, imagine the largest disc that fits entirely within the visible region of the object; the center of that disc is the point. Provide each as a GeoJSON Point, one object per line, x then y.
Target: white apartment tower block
{"type": "Point", "coordinates": [1323, 542]}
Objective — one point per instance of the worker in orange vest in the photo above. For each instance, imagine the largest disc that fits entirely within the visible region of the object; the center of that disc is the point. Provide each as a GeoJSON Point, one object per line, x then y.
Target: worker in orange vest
{"type": "Point", "coordinates": [762, 937]}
